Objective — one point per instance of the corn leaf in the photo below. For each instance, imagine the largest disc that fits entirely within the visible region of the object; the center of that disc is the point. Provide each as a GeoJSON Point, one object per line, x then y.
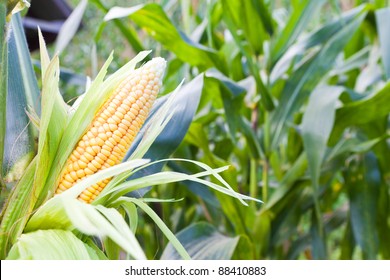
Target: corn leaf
{"type": "Point", "coordinates": [316, 38]}
{"type": "Point", "coordinates": [308, 75]}
{"type": "Point", "coordinates": [245, 16]}
{"type": "Point", "coordinates": [153, 19]}
{"type": "Point", "coordinates": [158, 121]}
{"type": "Point", "coordinates": [364, 189]}
{"type": "Point", "coordinates": [51, 245]}
{"type": "Point", "coordinates": [70, 26]}
{"type": "Point", "coordinates": [15, 213]}
{"type": "Point", "coordinates": [110, 193]}
{"type": "Point", "coordinates": [16, 210]}
{"type": "Point", "coordinates": [131, 212]}
{"type": "Point", "coordinates": [23, 93]}
{"type": "Point", "coordinates": [383, 20]}
{"type": "Point", "coordinates": [202, 242]}
{"type": "Point", "coordinates": [361, 112]}
{"type": "Point", "coordinates": [128, 32]}
{"type": "Point", "coordinates": [149, 211]}
{"type": "Point", "coordinates": [261, 89]}
{"type": "Point", "coordinates": [317, 125]}
{"type": "Point", "coordinates": [28, 80]}
{"type": "Point", "coordinates": [3, 84]}
{"type": "Point", "coordinates": [232, 96]}
{"type": "Point", "coordinates": [296, 24]}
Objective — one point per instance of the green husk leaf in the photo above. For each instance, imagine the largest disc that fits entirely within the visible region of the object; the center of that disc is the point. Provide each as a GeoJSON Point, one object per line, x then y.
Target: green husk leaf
{"type": "Point", "coordinates": [51, 214]}
{"type": "Point", "coordinates": [51, 245]}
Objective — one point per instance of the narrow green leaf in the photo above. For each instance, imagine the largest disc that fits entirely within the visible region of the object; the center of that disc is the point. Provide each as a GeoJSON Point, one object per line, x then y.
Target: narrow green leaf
{"type": "Point", "coordinates": [149, 211]}
{"type": "Point", "coordinates": [307, 77]}
{"type": "Point", "coordinates": [129, 32]}
{"type": "Point", "coordinates": [245, 16]}
{"type": "Point", "coordinates": [317, 125]}
{"type": "Point", "coordinates": [361, 112]}
{"type": "Point", "coordinates": [131, 212]}
{"type": "Point", "coordinates": [153, 19]}
{"type": "Point", "coordinates": [363, 181]}
{"type": "Point", "coordinates": [244, 249]}
{"type": "Point", "coordinates": [118, 222]}
{"type": "Point", "coordinates": [29, 80]}
{"type": "Point", "coordinates": [23, 93]}
{"type": "Point", "coordinates": [382, 21]}
{"type": "Point", "coordinates": [70, 26]}
{"type": "Point", "coordinates": [3, 83]}
{"type": "Point", "coordinates": [316, 38]}
{"type": "Point", "coordinates": [261, 88]}
{"type": "Point", "coordinates": [232, 97]}
{"type": "Point", "coordinates": [286, 185]}
{"type": "Point", "coordinates": [352, 145]}
{"type": "Point", "coordinates": [202, 242]}
{"type": "Point", "coordinates": [297, 23]}
{"type": "Point", "coordinates": [347, 243]}
{"type": "Point", "coordinates": [111, 193]}
{"type": "Point", "coordinates": [265, 14]}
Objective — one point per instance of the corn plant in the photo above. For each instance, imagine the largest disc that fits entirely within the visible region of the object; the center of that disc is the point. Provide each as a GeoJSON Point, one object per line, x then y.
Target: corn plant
{"type": "Point", "coordinates": [296, 99]}
{"type": "Point", "coordinates": [70, 201]}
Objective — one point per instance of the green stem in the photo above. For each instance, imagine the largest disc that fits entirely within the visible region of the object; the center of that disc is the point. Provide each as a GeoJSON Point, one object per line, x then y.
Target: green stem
{"type": "Point", "coordinates": [253, 181]}
{"type": "Point", "coordinates": [267, 141]}
{"type": "Point", "coordinates": [320, 223]}
{"type": "Point", "coordinates": [209, 27]}
{"type": "Point", "coordinates": [185, 10]}
{"type": "Point", "coordinates": [3, 83]}
{"type": "Point", "coordinates": [265, 181]}
{"type": "Point", "coordinates": [267, 134]}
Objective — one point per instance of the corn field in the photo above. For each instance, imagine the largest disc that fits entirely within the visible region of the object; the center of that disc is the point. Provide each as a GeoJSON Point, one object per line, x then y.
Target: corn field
{"type": "Point", "coordinates": [208, 129]}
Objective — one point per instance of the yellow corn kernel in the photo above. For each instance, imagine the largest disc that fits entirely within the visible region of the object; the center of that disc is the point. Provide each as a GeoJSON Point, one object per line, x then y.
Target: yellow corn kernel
{"type": "Point", "coordinates": [113, 129]}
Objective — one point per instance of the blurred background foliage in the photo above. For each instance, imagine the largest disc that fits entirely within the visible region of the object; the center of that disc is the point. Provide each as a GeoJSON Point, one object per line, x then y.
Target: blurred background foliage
{"type": "Point", "coordinates": [296, 99]}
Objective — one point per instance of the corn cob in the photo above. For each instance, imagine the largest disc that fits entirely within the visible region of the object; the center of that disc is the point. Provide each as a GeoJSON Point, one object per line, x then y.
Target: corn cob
{"type": "Point", "coordinates": [113, 129]}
